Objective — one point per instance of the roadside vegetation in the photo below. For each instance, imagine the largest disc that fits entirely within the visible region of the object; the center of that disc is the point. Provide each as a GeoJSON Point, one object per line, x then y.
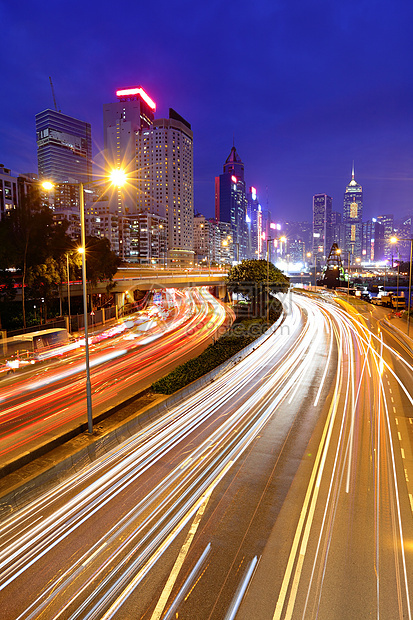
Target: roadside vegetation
{"type": "Point", "coordinates": [34, 256]}
{"type": "Point", "coordinates": [239, 336]}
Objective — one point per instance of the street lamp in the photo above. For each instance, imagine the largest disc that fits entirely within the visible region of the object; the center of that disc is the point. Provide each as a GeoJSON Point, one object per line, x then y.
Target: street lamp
{"type": "Point", "coordinates": [348, 272]}
{"type": "Point", "coordinates": [117, 177]}
{"type": "Point", "coordinates": [68, 289]}
{"type": "Point", "coordinates": [410, 277]}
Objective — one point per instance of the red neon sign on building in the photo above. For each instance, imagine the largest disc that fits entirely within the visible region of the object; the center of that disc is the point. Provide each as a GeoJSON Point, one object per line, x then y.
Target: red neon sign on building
{"type": "Point", "coordinates": [129, 92]}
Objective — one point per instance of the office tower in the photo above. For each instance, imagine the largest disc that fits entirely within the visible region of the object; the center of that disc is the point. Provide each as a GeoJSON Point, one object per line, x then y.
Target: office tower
{"type": "Point", "coordinates": [164, 163]}
{"type": "Point", "coordinates": [322, 206]}
{"type": "Point", "coordinates": [122, 121]}
{"type": "Point", "coordinates": [231, 202]}
{"type": "Point", "coordinates": [64, 156]}
{"type": "Point", "coordinates": [404, 233]}
{"type": "Point", "coordinates": [203, 239]}
{"type": "Point", "coordinates": [388, 224]}
{"type": "Point", "coordinates": [352, 218]}
{"type": "Point", "coordinates": [254, 225]}
{"type": "Point", "coordinates": [64, 148]}
{"type": "Point", "coordinates": [373, 242]}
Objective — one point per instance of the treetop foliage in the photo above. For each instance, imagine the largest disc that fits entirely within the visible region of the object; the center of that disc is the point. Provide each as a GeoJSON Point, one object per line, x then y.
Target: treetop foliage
{"type": "Point", "coordinates": [258, 271]}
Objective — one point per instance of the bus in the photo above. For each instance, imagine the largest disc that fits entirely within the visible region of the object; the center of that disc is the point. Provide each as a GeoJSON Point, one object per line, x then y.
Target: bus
{"type": "Point", "coordinates": [34, 343]}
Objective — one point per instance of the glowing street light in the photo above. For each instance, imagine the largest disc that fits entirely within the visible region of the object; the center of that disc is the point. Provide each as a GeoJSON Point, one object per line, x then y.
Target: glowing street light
{"type": "Point", "coordinates": [117, 177]}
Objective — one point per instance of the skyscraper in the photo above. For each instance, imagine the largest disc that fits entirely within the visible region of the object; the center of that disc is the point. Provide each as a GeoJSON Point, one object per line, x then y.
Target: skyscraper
{"type": "Point", "coordinates": [122, 121]}
{"type": "Point", "coordinates": [352, 218]}
{"type": "Point", "coordinates": [64, 148]}
{"type": "Point", "coordinates": [373, 240]}
{"type": "Point", "coordinates": [388, 224]}
{"type": "Point", "coordinates": [322, 206]}
{"type": "Point", "coordinates": [165, 180]}
{"type": "Point", "coordinates": [231, 202]}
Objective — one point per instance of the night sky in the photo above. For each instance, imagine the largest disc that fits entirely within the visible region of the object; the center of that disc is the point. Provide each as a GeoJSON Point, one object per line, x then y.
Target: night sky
{"type": "Point", "coordinates": [303, 88]}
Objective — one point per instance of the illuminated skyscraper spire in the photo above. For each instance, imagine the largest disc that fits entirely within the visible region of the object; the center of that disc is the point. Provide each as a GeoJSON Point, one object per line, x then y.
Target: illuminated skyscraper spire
{"type": "Point", "coordinates": [352, 217]}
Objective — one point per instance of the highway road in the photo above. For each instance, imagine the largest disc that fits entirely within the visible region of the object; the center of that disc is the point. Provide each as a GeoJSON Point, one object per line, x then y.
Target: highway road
{"type": "Point", "coordinates": [281, 490]}
{"type": "Point", "coordinates": [38, 404]}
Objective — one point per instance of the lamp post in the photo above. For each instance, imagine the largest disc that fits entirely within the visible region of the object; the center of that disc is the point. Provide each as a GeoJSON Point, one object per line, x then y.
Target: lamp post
{"type": "Point", "coordinates": [117, 177]}
{"type": "Point", "coordinates": [394, 240]}
{"type": "Point", "coordinates": [68, 290]}
{"type": "Point", "coordinates": [268, 277]}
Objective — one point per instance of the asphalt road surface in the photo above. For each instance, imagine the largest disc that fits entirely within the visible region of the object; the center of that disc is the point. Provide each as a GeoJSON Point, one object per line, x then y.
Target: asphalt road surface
{"type": "Point", "coordinates": [39, 404]}
{"type": "Point", "coordinates": [281, 490]}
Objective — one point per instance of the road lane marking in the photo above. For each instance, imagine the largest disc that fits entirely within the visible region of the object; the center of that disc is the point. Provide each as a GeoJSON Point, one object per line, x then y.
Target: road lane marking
{"type": "Point", "coordinates": [90, 558]}
{"type": "Point", "coordinates": [163, 599]}
{"type": "Point", "coordinates": [399, 435]}
{"type": "Point", "coordinates": [312, 486]}
{"type": "Point", "coordinates": [403, 457]}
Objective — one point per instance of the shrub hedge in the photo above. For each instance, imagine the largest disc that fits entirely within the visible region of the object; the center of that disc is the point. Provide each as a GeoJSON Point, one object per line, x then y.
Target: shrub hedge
{"type": "Point", "coordinates": [238, 337]}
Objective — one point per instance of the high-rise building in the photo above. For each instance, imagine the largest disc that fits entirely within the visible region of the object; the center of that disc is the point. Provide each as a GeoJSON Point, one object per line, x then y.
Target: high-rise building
{"type": "Point", "coordinates": [64, 155]}
{"type": "Point", "coordinates": [373, 244]}
{"type": "Point", "coordinates": [254, 225]}
{"type": "Point", "coordinates": [352, 218]}
{"type": "Point", "coordinates": [122, 121]}
{"type": "Point", "coordinates": [64, 148]}
{"type": "Point", "coordinates": [322, 207]}
{"type": "Point", "coordinates": [203, 239]}
{"type": "Point", "coordinates": [404, 233]}
{"type": "Point", "coordinates": [231, 202]}
{"type": "Point", "coordinates": [8, 192]}
{"type": "Point", "coordinates": [164, 163]}
{"type": "Point", "coordinates": [388, 225]}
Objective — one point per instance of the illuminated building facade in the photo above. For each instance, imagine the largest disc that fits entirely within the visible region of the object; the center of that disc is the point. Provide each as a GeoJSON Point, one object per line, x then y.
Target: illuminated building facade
{"type": "Point", "coordinates": [373, 242]}
{"type": "Point", "coordinates": [123, 120]}
{"type": "Point", "coordinates": [8, 192]}
{"type": "Point", "coordinates": [254, 225]}
{"type": "Point", "coordinates": [388, 225]}
{"type": "Point", "coordinates": [165, 181]}
{"type": "Point", "coordinates": [352, 218]}
{"type": "Point", "coordinates": [322, 207]}
{"type": "Point", "coordinates": [64, 155]}
{"type": "Point", "coordinates": [64, 148]}
{"type": "Point", "coordinates": [203, 239]}
{"type": "Point", "coordinates": [231, 202]}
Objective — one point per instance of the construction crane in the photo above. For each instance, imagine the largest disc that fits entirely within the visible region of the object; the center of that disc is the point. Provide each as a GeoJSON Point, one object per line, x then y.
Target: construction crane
{"type": "Point", "coordinates": [54, 98]}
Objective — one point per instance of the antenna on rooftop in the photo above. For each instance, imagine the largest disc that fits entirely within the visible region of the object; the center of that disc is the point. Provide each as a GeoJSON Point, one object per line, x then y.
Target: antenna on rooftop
{"type": "Point", "coordinates": [54, 98]}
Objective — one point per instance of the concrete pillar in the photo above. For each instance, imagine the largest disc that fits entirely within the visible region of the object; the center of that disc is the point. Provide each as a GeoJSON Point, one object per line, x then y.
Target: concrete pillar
{"type": "Point", "coordinates": [222, 291]}
{"type": "Point", "coordinates": [3, 336]}
{"type": "Point", "coordinates": [119, 302]}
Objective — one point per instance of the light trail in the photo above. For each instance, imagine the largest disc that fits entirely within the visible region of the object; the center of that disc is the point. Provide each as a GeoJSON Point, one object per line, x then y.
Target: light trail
{"type": "Point", "coordinates": [188, 320]}
{"type": "Point", "coordinates": [172, 465]}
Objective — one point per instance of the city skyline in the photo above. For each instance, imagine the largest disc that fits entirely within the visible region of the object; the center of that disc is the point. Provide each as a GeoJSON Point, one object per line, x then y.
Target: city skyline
{"type": "Point", "coordinates": [301, 102]}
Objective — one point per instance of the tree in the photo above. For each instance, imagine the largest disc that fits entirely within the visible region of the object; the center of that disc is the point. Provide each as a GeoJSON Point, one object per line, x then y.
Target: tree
{"type": "Point", "coordinates": [28, 238]}
{"type": "Point", "coordinates": [255, 281]}
{"type": "Point", "coordinates": [101, 262]}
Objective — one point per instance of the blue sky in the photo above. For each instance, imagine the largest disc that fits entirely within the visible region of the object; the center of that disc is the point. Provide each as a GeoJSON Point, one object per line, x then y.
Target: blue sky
{"type": "Point", "coordinates": [303, 87]}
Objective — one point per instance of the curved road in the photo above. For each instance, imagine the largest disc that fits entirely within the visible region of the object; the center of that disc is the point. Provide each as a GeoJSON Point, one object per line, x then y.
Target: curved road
{"type": "Point", "coordinates": [39, 404]}
{"type": "Point", "coordinates": [281, 490]}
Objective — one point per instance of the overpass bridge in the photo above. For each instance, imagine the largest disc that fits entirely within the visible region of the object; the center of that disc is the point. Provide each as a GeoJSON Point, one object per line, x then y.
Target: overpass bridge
{"type": "Point", "coordinates": [128, 279]}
